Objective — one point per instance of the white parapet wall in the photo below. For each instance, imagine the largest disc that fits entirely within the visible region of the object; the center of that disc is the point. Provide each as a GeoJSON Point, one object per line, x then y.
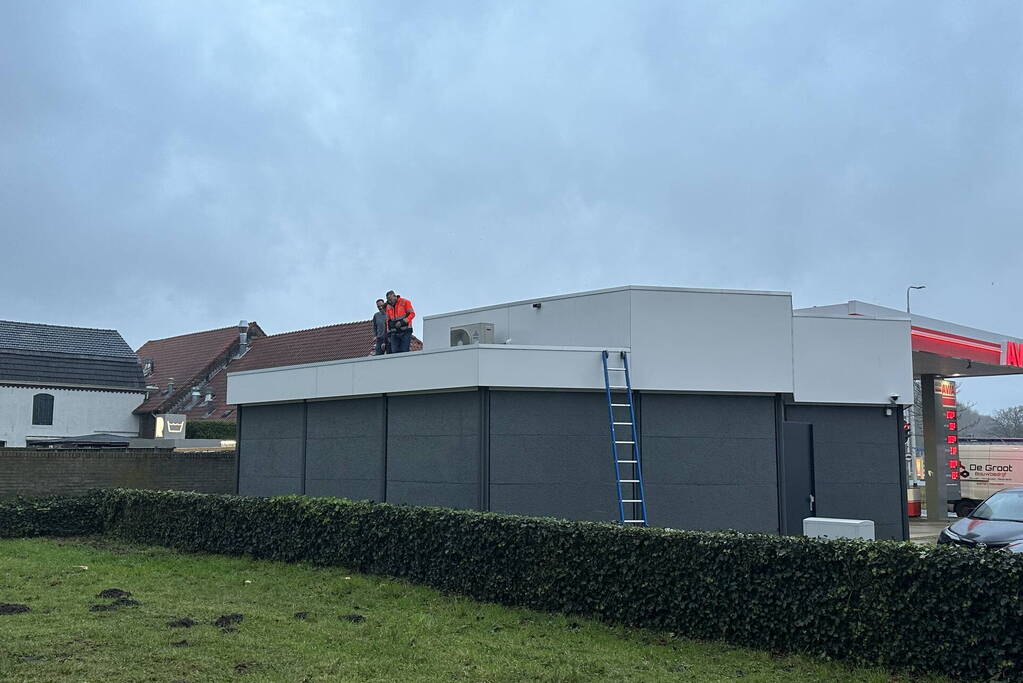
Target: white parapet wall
{"type": "Point", "coordinates": [451, 368]}
{"type": "Point", "coordinates": [681, 339]}
{"type": "Point", "coordinates": [852, 360]}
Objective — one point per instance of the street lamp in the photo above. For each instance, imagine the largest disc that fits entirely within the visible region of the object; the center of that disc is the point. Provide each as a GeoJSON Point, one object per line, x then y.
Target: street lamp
{"type": "Point", "coordinates": [907, 293]}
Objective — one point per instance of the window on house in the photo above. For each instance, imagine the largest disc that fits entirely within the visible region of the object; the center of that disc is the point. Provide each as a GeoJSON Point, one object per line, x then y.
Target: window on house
{"type": "Point", "coordinates": [42, 409]}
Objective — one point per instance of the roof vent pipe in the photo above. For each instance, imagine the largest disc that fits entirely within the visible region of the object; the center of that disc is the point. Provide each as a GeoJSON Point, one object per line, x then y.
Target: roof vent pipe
{"type": "Point", "coordinates": [243, 337]}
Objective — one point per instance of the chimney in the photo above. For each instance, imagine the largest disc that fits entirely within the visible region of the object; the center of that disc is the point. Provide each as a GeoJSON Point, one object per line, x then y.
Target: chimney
{"type": "Point", "coordinates": [170, 386]}
{"type": "Point", "coordinates": [243, 337]}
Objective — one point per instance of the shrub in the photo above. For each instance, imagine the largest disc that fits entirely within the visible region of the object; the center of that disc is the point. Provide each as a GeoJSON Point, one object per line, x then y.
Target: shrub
{"type": "Point", "coordinates": [941, 609]}
{"type": "Point", "coordinates": [211, 429]}
{"type": "Point", "coordinates": [67, 516]}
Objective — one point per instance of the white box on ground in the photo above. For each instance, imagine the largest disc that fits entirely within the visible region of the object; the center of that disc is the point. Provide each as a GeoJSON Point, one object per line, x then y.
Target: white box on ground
{"type": "Point", "coordinates": [830, 527]}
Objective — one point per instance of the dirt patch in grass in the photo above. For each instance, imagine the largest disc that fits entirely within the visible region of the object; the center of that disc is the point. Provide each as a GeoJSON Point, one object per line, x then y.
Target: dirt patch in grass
{"type": "Point", "coordinates": [103, 608]}
{"type": "Point", "coordinates": [354, 618]}
{"type": "Point", "coordinates": [8, 608]}
{"type": "Point", "coordinates": [116, 604]}
{"type": "Point", "coordinates": [226, 620]}
{"type": "Point", "coordinates": [183, 622]}
{"type": "Point", "coordinates": [113, 593]}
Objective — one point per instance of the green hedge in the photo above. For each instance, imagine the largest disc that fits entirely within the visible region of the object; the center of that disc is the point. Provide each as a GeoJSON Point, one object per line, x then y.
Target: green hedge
{"type": "Point", "coordinates": [69, 516]}
{"type": "Point", "coordinates": [211, 429]}
{"type": "Point", "coordinates": [941, 609]}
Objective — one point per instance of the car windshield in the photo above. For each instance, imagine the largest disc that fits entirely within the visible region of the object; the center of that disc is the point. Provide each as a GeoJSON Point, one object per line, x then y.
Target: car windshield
{"type": "Point", "coordinates": [1004, 506]}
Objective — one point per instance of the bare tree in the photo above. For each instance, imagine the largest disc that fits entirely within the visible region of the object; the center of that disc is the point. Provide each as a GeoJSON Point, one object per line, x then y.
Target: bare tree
{"type": "Point", "coordinates": [969, 419]}
{"type": "Point", "coordinates": [1009, 422]}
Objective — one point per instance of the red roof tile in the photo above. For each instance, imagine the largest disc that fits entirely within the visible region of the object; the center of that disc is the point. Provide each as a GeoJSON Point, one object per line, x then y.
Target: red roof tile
{"type": "Point", "coordinates": [189, 359]}
{"type": "Point", "coordinates": [333, 342]}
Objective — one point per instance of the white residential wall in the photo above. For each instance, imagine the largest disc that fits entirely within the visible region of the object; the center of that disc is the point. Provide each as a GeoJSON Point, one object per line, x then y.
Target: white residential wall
{"type": "Point", "coordinates": [707, 340]}
{"type": "Point", "coordinates": [595, 319]}
{"type": "Point", "coordinates": [852, 360]}
{"type": "Point", "coordinates": [75, 413]}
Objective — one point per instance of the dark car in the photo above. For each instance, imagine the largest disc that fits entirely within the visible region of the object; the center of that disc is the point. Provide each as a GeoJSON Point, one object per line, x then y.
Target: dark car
{"type": "Point", "coordinates": [997, 523]}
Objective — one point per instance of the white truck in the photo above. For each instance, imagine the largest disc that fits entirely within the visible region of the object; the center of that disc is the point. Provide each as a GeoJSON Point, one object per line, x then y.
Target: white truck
{"type": "Point", "coordinates": [986, 467]}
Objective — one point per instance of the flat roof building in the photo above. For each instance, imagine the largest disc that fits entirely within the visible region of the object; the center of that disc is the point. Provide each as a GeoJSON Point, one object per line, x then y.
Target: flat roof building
{"type": "Point", "coordinates": [749, 415]}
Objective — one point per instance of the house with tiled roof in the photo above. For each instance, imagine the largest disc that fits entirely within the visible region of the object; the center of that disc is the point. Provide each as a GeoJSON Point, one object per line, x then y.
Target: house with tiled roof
{"type": "Point", "coordinates": [332, 342]}
{"type": "Point", "coordinates": [187, 374]}
{"type": "Point", "coordinates": [58, 381]}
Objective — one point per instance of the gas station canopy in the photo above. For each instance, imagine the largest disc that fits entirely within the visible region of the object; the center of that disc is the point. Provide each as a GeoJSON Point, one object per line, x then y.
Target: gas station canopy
{"type": "Point", "coordinates": [943, 348]}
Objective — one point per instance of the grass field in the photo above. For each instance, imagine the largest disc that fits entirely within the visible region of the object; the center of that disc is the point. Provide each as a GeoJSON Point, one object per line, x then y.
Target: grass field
{"type": "Point", "coordinates": [348, 627]}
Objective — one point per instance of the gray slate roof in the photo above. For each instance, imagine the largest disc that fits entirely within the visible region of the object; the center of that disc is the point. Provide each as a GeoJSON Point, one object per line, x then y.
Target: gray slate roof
{"type": "Point", "coordinates": [54, 355]}
{"type": "Point", "coordinates": [60, 339]}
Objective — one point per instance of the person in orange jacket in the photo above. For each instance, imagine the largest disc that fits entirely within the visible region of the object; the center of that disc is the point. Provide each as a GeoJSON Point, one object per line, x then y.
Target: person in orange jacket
{"type": "Point", "coordinates": [399, 322]}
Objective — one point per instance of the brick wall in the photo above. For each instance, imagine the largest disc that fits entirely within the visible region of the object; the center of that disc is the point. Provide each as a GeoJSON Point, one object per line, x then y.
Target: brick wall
{"type": "Point", "coordinates": [31, 472]}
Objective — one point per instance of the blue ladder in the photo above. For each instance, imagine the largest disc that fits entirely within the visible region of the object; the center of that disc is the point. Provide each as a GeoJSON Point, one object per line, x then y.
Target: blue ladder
{"type": "Point", "coordinates": [633, 478]}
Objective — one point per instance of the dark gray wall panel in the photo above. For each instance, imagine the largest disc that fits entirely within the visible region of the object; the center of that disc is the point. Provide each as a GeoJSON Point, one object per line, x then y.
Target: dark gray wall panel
{"type": "Point", "coordinates": [713, 507]}
{"type": "Point", "coordinates": [705, 460]}
{"type": "Point", "coordinates": [443, 494]}
{"type": "Point", "coordinates": [357, 457]}
{"type": "Point", "coordinates": [454, 458]}
{"type": "Point", "coordinates": [565, 501]}
{"type": "Point", "coordinates": [272, 486]}
{"type": "Point", "coordinates": [345, 449]}
{"type": "Point", "coordinates": [273, 458]}
{"type": "Point", "coordinates": [709, 462]}
{"type": "Point", "coordinates": [550, 455]}
{"type": "Point", "coordinates": [352, 489]}
{"type": "Point", "coordinates": [857, 464]}
{"type": "Point", "coordinates": [273, 422]}
{"type": "Point", "coordinates": [555, 458]}
{"type": "Point", "coordinates": [271, 450]}
{"type": "Point", "coordinates": [347, 418]}
{"type": "Point", "coordinates": [440, 414]}
{"type": "Point", "coordinates": [691, 415]}
{"type": "Point", "coordinates": [433, 449]}
{"type": "Point", "coordinates": [544, 413]}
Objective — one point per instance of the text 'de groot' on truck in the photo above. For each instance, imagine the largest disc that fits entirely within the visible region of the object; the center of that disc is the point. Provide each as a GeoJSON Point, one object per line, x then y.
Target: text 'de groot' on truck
{"type": "Point", "coordinates": [985, 467]}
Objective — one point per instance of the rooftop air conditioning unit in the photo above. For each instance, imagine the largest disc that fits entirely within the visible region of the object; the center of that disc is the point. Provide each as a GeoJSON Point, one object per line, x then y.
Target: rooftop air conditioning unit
{"type": "Point", "coordinates": [476, 333]}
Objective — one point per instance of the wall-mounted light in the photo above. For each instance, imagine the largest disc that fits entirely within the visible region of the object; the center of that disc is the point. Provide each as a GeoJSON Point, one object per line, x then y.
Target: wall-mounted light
{"type": "Point", "coordinates": [537, 305]}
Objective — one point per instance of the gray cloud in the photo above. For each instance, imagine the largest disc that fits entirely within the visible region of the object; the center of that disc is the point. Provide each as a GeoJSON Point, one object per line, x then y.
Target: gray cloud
{"type": "Point", "coordinates": [168, 167]}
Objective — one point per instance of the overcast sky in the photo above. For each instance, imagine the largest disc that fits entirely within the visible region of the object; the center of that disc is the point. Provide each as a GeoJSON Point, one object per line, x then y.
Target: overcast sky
{"type": "Point", "coordinates": [168, 167]}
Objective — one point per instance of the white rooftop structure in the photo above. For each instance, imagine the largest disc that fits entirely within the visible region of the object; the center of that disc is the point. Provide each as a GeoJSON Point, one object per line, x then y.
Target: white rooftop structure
{"type": "Point", "coordinates": [679, 339]}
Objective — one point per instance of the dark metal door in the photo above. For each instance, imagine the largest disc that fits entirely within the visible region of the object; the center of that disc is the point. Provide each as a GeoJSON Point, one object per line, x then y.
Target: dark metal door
{"type": "Point", "coordinates": [797, 476]}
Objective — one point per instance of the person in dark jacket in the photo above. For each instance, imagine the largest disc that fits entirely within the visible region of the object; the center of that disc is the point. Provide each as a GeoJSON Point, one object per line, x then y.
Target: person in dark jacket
{"type": "Point", "coordinates": [380, 329]}
{"type": "Point", "coordinates": [399, 322]}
